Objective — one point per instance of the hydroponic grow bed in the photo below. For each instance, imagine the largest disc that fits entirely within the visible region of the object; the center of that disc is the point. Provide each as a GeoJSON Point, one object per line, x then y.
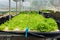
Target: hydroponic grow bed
{"type": "Point", "coordinates": [31, 14]}
{"type": "Point", "coordinates": [33, 20]}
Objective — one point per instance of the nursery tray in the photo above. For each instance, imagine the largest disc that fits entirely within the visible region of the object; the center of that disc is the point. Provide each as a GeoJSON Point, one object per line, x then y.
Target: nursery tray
{"type": "Point", "coordinates": [35, 34]}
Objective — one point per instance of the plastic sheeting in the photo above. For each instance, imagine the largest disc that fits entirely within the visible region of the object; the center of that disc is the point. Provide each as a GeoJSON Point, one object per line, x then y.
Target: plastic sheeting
{"type": "Point", "coordinates": [44, 4]}
{"type": "Point", "coordinates": [56, 4]}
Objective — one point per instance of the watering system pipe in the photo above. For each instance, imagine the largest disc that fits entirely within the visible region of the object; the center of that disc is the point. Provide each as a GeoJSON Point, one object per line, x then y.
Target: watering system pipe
{"type": "Point", "coordinates": [26, 33]}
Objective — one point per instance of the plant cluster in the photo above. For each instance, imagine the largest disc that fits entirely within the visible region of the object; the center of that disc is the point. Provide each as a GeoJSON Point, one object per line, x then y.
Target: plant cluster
{"type": "Point", "coordinates": [33, 20]}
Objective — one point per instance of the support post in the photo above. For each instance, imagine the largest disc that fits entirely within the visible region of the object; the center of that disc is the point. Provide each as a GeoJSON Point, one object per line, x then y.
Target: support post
{"type": "Point", "coordinates": [9, 9]}
{"type": "Point", "coordinates": [16, 8]}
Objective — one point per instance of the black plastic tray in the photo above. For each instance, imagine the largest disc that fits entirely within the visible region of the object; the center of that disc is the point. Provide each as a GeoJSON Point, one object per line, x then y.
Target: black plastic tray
{"type": "Point", "coordinates": [35, 34]}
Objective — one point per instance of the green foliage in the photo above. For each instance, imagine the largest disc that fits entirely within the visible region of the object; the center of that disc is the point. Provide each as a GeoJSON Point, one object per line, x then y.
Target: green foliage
{"type": "Point", "coordinates": [45, 11]}
{"type": "Point", "coordinates": [2, 27]}
{"type": "Point", "coordinates": [47, 25]}
{"type": "Point", "coordinates": [50, 11]}
{"type": "Point", "coordinates": [34, 21]}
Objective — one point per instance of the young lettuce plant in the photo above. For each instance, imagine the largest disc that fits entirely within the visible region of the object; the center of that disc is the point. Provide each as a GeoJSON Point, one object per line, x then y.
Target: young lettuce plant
{"type": "Point", "coordinates": [48, 25]}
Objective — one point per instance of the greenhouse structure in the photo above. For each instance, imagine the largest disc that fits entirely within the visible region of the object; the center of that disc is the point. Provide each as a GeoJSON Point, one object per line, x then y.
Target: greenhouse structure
{"type": "Point", "coordinates": [29, 19]}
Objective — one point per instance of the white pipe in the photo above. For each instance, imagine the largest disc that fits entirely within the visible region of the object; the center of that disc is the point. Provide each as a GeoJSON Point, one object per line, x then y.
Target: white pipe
{"type": "Point", "coordinates": [9, 9]}
{"type": "Point", "coordinates": [16, 8]}
{"type": "Point", "coordinates": [20, 6]}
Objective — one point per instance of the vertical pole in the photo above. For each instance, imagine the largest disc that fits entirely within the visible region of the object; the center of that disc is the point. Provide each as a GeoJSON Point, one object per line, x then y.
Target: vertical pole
{"type": "Point", "coordinates": [58, 5]}
{"type": "Point", "coordinates": [16, 7]}
{"type": "Point", "coordinates": [9, 9]}
{"type": "Point", "coordinates": [20, 6]}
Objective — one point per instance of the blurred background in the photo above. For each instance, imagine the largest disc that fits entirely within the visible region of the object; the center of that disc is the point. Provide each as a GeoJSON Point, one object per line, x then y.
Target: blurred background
{"type": "Point", "coordinates": [31, 5]}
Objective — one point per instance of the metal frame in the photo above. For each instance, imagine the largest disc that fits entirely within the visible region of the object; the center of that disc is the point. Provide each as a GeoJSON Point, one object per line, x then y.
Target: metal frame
{"type": "Point", "coordinates": [16, 7]}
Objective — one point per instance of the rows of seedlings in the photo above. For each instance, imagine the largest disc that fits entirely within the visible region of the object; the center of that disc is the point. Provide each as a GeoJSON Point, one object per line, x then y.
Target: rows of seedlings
{"type": "Point", "coordinates": [42, 25]}
{"type": "Point", "coordinates": [34, 20]}
{"type": "Point", "coordinates": [51, 14]}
